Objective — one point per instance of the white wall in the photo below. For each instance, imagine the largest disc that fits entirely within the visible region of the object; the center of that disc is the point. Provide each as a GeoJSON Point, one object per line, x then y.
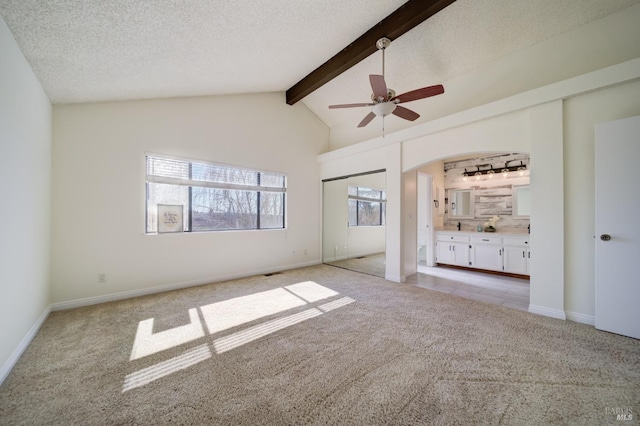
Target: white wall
{"type": "Point", "coordinates": [410, 222]}
{"type": "Point", "coordinates": [581, 113]}
{"type": "Point", "coordinates": [546, 294]}
{"type": "Point", "coordinates": [99, 191]}
{"type": "Point", "coordinates": [25, 185]}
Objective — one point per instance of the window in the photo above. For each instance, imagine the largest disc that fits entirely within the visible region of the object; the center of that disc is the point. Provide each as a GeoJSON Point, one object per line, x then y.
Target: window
{"type": "Point", "coordinates": [214, 197]}
{"type": "Point", "coordinates": [367, 206]}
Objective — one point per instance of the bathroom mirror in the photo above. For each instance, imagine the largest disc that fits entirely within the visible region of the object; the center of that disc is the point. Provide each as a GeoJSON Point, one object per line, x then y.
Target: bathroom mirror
{"type": "Point", "coordinates": [521, 201]}
{"type": "Point", "coordinates": [461, 203]}
{"type": "Point", "coordinates": [354, 222]}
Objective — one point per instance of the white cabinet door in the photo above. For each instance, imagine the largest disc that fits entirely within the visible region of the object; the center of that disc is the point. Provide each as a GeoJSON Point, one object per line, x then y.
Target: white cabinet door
{"type": "Point", "coordinates": [516, 260]}
{"type": "Point", "coordinates": [486, 256]}
{"type": "Point", "coordinates": [444, 253]}
{"type": "Point", "coordinates": [460, 254]}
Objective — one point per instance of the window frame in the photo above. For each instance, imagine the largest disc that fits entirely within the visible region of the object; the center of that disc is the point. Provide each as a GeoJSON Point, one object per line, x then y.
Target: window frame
{"type": "Point", "coordinates": [382, 201]}
{"type": "Point", "coordinates": [192, 183]}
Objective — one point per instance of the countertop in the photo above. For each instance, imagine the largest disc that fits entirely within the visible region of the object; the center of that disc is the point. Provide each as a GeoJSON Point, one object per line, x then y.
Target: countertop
{"type": "Point", "coordinates": [474, 232]}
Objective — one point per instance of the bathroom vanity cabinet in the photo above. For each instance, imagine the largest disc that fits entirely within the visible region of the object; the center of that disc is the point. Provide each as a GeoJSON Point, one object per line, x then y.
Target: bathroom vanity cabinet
{"type": "Point", "coordinates": [499, 252]}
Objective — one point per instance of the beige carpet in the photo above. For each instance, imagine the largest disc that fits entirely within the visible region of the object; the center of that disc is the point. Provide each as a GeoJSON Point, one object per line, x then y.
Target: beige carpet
{"type": "Point", "coordinates": [318, 345]}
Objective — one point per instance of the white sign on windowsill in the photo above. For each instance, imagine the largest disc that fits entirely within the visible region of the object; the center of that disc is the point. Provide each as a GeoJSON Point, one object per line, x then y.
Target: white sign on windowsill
{"type": "Point", "coordinates": [170, 218]}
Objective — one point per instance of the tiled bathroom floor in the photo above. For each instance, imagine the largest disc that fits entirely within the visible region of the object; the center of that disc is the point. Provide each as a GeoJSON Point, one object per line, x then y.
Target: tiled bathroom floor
{"type": "Point", "coordinates": [490, 288]}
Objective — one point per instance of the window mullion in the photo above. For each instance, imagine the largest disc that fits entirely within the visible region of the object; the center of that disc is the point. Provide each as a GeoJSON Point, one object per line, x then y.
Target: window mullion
{"type": "Point", "coordinates": [258, 205]}
{"type": "Point", "coordinates": [190, 212]}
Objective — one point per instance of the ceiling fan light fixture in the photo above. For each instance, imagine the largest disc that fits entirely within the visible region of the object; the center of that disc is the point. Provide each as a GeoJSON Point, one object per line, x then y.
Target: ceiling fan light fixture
{"type": "Point", "coordinates": [384, 108]}
{"type": "Point", "coordinates": [384, 101]}
{"type": "Point", "coordinates": [383, 43]}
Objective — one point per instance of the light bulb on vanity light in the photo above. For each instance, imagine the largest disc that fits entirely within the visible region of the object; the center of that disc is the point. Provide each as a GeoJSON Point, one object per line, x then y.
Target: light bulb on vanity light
{"type": "Point", "coordinates": [521, 171]}
{"type": "Point", "coordinates": [505, 173]}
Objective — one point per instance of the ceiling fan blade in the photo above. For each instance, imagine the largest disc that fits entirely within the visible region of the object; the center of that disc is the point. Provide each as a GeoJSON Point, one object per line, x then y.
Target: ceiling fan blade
{"type": "Point", "coordinates": [405, 113]}
{"type": "Point", "coordinates": [367, 119]}
{"type": "Point", "coordinates": [349, 105]}
{"type": "Point", "coordinates": [379, 86]}
{"type": "Point", "coordinates": [422, 93]}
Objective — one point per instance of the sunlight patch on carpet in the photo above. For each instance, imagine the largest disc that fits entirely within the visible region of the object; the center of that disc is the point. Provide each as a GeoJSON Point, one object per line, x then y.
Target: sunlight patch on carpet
{"type": "Point", "coordinates": [224, 315]}
{"type": "Point", "coordinates": [240, 338]}
{"type": "Point", "coordinates": [336, 304]}
{"type": "Point", "coordinates": [231, 313]}
{"type": "Point", "coordinates": [311, 292]}
{"type": "Point", "coordinates": [147, 343]}
{"type": "Point", "coordinates": [164, 368]}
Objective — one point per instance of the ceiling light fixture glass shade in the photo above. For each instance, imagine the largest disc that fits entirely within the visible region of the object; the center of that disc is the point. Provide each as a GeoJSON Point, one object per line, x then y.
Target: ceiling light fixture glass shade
{"type": "Point", "coordinates": [383, 108]}
{"type": "Point", "coordinates": [505, 172]}
{"type": "Point", "coordinates": [478, 174]}
{"type": "Point", "coordinates": [490, 173]}
{"type": "Point", "coordinates": [521, 171]}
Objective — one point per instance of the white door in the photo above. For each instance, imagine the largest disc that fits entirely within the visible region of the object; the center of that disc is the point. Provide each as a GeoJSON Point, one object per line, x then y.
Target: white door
{"type": "Point", "coordinates": [617, 212]}
{"type": "Point", "coordinates": [425, 221]}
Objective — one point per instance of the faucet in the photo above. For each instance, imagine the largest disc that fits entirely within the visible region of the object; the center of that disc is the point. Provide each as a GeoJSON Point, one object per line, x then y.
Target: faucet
{"type": "Point", "coordinates": [458, 226]}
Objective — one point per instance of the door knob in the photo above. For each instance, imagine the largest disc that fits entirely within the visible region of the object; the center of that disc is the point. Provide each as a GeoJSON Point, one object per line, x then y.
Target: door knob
{"type": "Point", "coordinates": [605, 237]}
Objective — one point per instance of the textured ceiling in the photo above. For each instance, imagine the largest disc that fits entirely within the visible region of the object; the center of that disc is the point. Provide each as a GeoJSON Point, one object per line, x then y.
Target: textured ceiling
{"type": "Point", "coordinates": [129, 49]}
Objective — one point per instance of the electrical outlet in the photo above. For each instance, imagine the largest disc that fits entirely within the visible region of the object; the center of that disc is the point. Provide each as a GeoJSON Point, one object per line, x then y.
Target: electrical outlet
{"type": "Point", "coordinates": [102, 278]}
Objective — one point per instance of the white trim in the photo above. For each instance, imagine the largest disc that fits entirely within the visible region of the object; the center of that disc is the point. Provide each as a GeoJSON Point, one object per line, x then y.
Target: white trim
{"type": "Point", "coordinates": [77, 303]}
{"type": "Point", "coordinates": [581, 318]}
{"type": "Point", "coordinates": [215, 185]}
{"type": "Point", "coordinates": [335, 259]}
{"type": "Point", "coordinates": [207, 162]}
{"type": "Point", "coordinates": [547, 312]}
{"type": "Point", "coordinates": [395, 279]}
{"type": "Point", "coordinates": [23, 345]}
{"type": "Point", "coordinates": [609, 76]}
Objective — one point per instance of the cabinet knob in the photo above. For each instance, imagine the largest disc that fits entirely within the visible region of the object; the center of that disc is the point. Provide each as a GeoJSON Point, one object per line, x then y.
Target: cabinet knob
{"type": "Point", "coordinates": [605, 237]}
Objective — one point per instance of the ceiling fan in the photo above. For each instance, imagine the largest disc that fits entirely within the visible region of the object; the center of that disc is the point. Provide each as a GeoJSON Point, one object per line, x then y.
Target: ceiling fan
{"type": "Point", "coordinates": [385, 101]}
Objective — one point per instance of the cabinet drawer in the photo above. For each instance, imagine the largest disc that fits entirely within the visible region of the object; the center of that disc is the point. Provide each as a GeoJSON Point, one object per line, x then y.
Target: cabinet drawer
{"type": "Point", "coordinates": [493, 240]}
{"type": "Point", "coordinates": [452, 238]}
{"type": "Point", "coordinates": [517, 241]}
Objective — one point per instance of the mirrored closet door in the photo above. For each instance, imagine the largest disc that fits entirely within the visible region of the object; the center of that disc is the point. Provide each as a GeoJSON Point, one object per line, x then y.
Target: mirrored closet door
{"type": "Point", "coordinates": [354, 219]}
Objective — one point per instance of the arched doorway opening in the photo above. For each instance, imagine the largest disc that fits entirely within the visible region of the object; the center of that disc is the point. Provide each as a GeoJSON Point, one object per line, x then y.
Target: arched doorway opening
{"type": "Point", "coordinates": [459, 200]}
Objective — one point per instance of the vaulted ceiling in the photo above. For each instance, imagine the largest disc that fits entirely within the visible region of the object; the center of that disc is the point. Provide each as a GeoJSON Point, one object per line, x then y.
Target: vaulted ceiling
{"type": "Point", "coordinates": [85, 51]}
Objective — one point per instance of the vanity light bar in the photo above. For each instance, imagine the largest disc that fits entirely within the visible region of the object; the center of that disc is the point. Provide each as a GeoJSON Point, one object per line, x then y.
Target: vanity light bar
{"type": "Point", "coordinates": [491, 171]}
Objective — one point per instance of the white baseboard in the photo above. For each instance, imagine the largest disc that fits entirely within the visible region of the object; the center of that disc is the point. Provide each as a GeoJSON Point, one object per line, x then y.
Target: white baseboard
{"type": "Point", "coordinates": [22, 346]}
{"type": "Point", "coordinates": [335, 259]}
{"type": "Point", "coordinates": [77, 303]}
{"type": "Point", "coordinates": [547, 312]}
{"type": "Point", "coordinates": [395, 278]}
{"type": "Point", "coordinates": [581, 318]}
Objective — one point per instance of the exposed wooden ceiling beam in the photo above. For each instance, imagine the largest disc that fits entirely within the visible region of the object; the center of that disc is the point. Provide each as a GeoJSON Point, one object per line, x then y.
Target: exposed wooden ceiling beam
{"type": "Point", "coordinates": [403, 19]}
